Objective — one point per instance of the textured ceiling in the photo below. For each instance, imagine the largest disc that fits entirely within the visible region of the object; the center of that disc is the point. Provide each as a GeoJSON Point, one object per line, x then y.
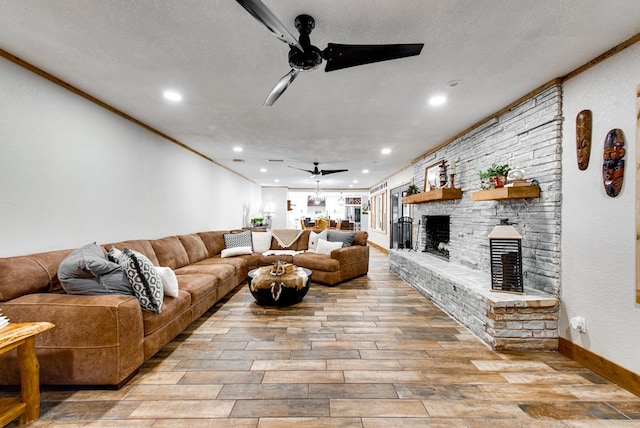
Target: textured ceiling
{"type": "Point", "coordinates": [126, 53]}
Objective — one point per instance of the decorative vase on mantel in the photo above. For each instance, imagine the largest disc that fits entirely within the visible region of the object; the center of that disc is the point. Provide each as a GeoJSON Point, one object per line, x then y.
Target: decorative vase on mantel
{"type": "Point", "coordinates": [499, 181]}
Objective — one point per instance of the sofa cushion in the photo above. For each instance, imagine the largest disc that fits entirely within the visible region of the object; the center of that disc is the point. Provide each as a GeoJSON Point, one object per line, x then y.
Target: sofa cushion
{"type": "Point", "coordinates": [261, 241]}
{"type": "Point", "coordinates": [140, 245]}
{"type": "Point", "coordinates": [171, 309]}
{"type": "Point", "coordinates": [195, 248]}
{"type": "Point", "coordinates": [198, 285]}
{"type": "Point", "coordinates": [316, 262]}
{"type": "Point", "coordinates": [170, 252]}
{"type": "Point", "coordinates": [360, 238]}
{"type": "Point", "coordinates": [224, 272]}
{"type": "Point", "coordinates": [214, 241]}
{"type": "Point", "coordinates": [87, 271]}
{"type": "Point", "coordinates": [239, 239]}
{"type": "Point", "coordinates": [345, 237]}
{"type": "Point", "coordinates": [314, 237]}
{"type": "Point", "coordinates": [143, 277]}
{"type": "Point", "coordinates": [35, 273]}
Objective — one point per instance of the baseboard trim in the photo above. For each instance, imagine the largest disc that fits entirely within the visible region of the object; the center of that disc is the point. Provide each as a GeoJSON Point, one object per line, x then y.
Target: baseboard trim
{"type": "Point", "coordinates": [374, 245]}
{"type": "Point", "coordinates": [605, 368]}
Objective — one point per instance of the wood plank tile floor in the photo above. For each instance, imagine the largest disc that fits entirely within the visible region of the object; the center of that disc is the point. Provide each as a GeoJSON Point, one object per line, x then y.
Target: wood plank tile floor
{"type": "Point", "coordinates": [372, 352]}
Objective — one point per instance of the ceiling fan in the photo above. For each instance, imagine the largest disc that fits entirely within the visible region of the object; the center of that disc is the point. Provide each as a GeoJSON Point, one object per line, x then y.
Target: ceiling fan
{"type": "Point", "coordinates": [303, 56]}
{"type": "Point", "coordinates": [317, 171]}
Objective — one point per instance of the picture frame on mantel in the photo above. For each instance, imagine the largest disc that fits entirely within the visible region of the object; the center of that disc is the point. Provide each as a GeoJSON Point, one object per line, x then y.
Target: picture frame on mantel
{"type": "Point", "coordinates": [432, 177]}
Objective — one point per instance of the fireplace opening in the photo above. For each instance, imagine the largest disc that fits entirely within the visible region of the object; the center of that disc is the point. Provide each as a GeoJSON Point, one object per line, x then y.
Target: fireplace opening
{"type": "Point", "coordinates": [436, 235]}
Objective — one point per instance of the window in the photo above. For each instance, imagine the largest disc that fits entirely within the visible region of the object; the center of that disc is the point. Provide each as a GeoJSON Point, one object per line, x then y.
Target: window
{"type": "Point", "coordinates": [378, 211]}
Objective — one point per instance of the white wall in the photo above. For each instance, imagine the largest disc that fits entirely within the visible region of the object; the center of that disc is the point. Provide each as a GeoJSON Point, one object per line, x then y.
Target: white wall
{"type": "Point", "coordinates": [72, 172]}
{"type": "Point", "coordinates": [274, 200]}
{"type": "Point", "coordinates": [598, 232]}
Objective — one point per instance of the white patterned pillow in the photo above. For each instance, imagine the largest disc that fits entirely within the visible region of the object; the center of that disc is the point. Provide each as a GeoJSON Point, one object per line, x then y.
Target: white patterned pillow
{"type": "Point", "coordinates": [240, 239]}
{"type": "Point", "coordinates": [314, 238]}
{"type": "Point", "coordinates": [146, 283]}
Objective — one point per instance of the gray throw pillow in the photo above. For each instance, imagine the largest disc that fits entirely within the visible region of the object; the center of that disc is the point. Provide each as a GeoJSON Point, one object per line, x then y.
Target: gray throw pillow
{"type": "Point", "coordinates": [87, 271]}
{"type": "Point", "coordinates": [345, 237]}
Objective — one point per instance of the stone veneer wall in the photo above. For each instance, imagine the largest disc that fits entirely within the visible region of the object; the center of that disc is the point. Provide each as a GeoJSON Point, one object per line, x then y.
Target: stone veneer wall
{"type": "Point", "coordinates": [527, 136]}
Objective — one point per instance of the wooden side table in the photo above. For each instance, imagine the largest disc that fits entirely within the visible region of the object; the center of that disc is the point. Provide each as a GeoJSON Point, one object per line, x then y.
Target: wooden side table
{"type": "Point", "coordinates": [22, 336]}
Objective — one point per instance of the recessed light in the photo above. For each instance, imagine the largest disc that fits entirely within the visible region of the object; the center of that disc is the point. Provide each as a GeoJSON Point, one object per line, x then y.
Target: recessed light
{"type": "Point", "coordinates": [276, 180]}
{"type": "Point", "coordinates": [437, 100]}
{"type": "Point", "coordinates": [350, 185]}
{"type": "Point", "coordinates": [355, 181]}
{"type": "Point", "coordinates": [172, 96]}
{"type": "Point", "coordinates": [263, 169]}
{"type": "Point", "coordinates": [237, 149]}
{"type": "Point", "coordinates": [365, 171]}
{"type": "Point", "coordinates": [385, 151]}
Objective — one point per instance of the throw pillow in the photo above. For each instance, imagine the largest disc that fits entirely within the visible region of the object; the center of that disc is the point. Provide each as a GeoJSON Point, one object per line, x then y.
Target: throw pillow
{"type": "Point", "coordinates": [235, 251]}
{"type": "Point", "coordinates": [240, 239]}
{"type": "Point", "coordinates": [314, 237]}
{"type": "Point", "coordinates": [87, 271]}
{"type": "Point", "coordinates": [345, 237]}
{"type": "Point", "coordinates": [261, 241]}
{"type": "Point", "coordinates": [169, 281]}
{"type": "Point", "coordinates": [144, 279]}
{"type": "Point", "coordinates": [326, 247]}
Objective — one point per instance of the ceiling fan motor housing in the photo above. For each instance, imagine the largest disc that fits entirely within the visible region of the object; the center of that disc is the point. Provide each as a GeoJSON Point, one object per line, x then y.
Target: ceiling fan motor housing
{"type": "Point", "coordinates": [311, 58]}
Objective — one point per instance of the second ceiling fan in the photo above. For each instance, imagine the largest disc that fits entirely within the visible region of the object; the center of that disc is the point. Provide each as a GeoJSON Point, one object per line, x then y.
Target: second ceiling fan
{"type": "Point", "coordinates": [316, 171]}
{"type": "Point", "coordinates": [303, 56]}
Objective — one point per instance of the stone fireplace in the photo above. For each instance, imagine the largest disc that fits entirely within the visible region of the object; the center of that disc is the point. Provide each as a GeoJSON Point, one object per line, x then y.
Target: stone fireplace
{"type": "Point", "coordinates": [452, 266]}
{"type": "Point", "coordinates": [435, 234]}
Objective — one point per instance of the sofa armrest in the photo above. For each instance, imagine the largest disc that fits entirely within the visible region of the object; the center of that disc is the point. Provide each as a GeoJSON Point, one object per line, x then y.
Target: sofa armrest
{"type": "Point", "coordinates": [97, 340]}
{"type": "Point", "coordinates": [352, 254]}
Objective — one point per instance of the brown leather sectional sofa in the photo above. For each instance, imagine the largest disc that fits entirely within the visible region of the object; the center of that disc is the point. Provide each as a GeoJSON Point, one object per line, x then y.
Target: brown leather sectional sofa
{"type": "Point", "coordinates": [104, 339]}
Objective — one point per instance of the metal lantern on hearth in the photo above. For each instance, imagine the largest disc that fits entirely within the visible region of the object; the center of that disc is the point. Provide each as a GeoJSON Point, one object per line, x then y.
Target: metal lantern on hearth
{"type": "Point", "coordinates": [505, 245]}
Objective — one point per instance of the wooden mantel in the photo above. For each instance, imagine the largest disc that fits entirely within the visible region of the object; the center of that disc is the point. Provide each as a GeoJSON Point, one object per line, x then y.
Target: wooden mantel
{"type": "Point", "coordinates": [517, 192]}
{"type": "Point", "coordinates": [435, 195]}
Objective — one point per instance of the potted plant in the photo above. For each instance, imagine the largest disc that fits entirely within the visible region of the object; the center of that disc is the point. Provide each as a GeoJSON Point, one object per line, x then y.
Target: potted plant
{"type": "Point", "coordinates": [255, 222]}
{"type": "Point", "coordinates": [495, 176]}
{"type": "Point", "coordinates": [412, 190]}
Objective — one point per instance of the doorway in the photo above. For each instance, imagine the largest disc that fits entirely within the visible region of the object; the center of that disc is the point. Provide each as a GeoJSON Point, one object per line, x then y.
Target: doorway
{"type": "Point", "coordinates": [399, 211]}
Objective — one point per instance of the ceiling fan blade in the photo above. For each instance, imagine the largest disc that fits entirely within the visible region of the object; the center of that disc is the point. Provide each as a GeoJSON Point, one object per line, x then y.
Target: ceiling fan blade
{"type": "Point", "coordinates": [264, 15]}
{"type": "Point", "coordinates": [332, 171]}
{"type": "Point", "coordinates": [305, 170]}
{"type": "Point", "coordinates": [344, 56]}
{"type": "Point", "coordinates": [281, 86]}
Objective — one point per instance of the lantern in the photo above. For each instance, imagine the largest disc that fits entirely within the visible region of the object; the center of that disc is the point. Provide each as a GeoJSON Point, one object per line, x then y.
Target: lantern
{"type": "Point", "coordinates": [505, 244]}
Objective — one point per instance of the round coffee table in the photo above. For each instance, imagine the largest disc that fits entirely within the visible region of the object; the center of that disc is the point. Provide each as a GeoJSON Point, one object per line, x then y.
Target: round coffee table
{"type": "Point", "coordinates": [278, 290]}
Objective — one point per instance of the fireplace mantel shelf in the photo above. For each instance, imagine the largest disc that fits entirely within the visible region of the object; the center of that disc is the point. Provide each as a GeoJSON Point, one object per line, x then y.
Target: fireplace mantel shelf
{"type": "Point", "coordinates": [516, 192]}
{"type": "Point", "coordinates": [435, 195]}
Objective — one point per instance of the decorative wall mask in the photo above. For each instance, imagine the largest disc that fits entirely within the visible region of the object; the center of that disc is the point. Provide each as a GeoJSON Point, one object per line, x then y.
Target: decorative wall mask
{"type": "Point", "coordinates": [583, 138]}
{"type": "Point", "coordinates": [613, 162]}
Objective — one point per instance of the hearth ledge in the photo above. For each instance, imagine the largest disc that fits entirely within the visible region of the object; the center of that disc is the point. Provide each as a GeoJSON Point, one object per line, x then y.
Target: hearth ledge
{"type": "Point", "coordinates": [504, 321]}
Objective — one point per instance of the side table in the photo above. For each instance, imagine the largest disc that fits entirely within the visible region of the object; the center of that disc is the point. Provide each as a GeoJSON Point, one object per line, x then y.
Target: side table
{"type": "Point", "coordinates": [22, 336]}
